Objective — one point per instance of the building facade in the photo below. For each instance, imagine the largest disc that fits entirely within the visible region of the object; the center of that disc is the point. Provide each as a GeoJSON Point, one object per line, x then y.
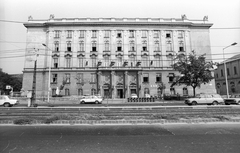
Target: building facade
{"type": "Point", "coordinates": [233, 76]}
{"type": "Point", "coordinates": [113, 57]}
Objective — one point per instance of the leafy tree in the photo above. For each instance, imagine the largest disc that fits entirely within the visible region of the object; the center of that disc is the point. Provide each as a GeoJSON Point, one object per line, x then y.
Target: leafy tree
{"type": "Point", "coordinates": [194, 70]}
{"type": "Point", "coordinates": [6, 79]}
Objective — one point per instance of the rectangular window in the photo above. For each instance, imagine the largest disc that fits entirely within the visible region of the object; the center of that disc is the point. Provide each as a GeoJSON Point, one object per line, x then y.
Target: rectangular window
{"type": "Point", "coordinates": [81, 46]}
{"type": "Point", "coordinates": [69, 48]}
{"type": "Point", "coordinates": [157, 47]}
{"type": "Point", "coordinates": [56, 44]}
{"type": "Point", "coordinates": [180, 34]}
{"type": "Point", "coordinates": [119, 46]}
{"type": "Point", "coordinates": [181, 47]}
{"type": "Point", "coordinates": [132, 46]}
{"type": "Point", "coordinates": [119, 34]}
{"type": "Point", "coordinates": [80, 78]}
{"type": "Point", "coordinates": [169, 46]}
{"type": "Point", "coordinates": [67, 78]}
{"type": "Point", "coordinates": [144, 33]}
{"type": "Point", "coordinates": [80, 92]}
{"type": "Point", "coordinates": [145, 78]}
{"type": "Point", "coordinates": [94, 34]}
{"type": "Point", "coordinates": [158, 62]}
{"type": "Point", "coordinates": [144, 47]}
{"type": "Point", "coordinates": [94, 46]}
{"type": "Point", "coordinates": [67, 92]}
{"type": "Point", "coordinates": [145, 62]}
{"type": "Point", "coordinates": [54, 78]}
{"type": "Point", "coordinates": [94, 61]}
{"type": "Point", "coordinates": [69, 34]}
{"type": "Point", "coordinates": [107, 34]}
{"type": "Point", "coordinates": [56, 34]}
{"type": "Point", "coordinates": [228, 72]}
{"type": "Point", "coordinates": [81, 61]}
{"type": "Point", "coordinates": [156, 33]}
{"type": "Point", "coordinates": [93, 77]}
{"type": "Point", "coordinates": [235, 70]}
{"type": "Point", "coordinates": [171, 77]}
{"type": "Point", "coordinates": [68, 62]}
{"type": "Point", "coordinates": [159, 77]}
{"type": "Point", "coordinates": [55, 62]}
{"type": "Point", "coordinates": [107, 47]}
{"type": "Point", "coordinates": [81, 34]}
{"type": "Point", "coordinates": [168, 34]}
{"type": "Point", "coordinates": [106, 61]}
{"type": "Point", "coordinates": [221, 73]}
{"type": "Point", "coordinates": [131, 33]}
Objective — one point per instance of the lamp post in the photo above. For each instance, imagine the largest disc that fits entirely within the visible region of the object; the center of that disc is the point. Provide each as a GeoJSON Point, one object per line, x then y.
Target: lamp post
{"type": "Point", "coordinates": [33, 97]}
{"type": "Point", "coordinates": [49, 70]}
{"type": "Point", "coordinates": [225, 68]}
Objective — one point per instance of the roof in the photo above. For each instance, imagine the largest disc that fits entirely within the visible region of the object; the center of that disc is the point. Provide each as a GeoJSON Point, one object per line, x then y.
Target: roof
{"type": "Point", "coordinates": [233, 58]}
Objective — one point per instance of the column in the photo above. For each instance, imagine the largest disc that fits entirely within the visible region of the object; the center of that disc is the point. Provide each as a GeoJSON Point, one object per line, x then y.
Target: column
{"type": "Point", "coordinates": [126, 84]}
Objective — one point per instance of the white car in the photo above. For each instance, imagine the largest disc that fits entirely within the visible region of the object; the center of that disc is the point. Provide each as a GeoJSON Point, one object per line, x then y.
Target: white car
{"type": "Point", "coordinates": [213, 99]}
{"type": "Point", "coordinates": [7, 102]}
{"type": "Point", "coordinates": [233, 99]}
{"type": "Point", "coordinates": [134, 96]}
{"type": "Point", "coordinates": [91, 99]}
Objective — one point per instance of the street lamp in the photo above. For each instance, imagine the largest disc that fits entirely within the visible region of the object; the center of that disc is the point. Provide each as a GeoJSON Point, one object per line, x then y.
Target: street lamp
{"type": "Point", "coordinates": [225, 68]}
{"type": "Point", "coordinates": [49, 70]}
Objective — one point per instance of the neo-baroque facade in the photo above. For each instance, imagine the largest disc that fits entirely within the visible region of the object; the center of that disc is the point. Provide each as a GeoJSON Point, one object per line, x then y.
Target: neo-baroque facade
{"type": "Point", "coordinates": [112, 57]}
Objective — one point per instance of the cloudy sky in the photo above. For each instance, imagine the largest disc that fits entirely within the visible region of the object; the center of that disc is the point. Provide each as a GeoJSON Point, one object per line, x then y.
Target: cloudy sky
{"type": "Point", "coordinates": [224, 14]}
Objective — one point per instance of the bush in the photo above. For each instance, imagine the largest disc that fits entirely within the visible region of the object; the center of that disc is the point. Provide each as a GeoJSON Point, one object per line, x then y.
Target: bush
{"type": "Point", "coordinates": [23, 121]}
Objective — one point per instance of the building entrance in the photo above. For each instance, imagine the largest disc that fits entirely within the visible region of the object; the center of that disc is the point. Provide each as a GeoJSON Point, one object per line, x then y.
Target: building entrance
{"type": "Point", "coordinates": [119, 93]}
{"type": "Point", "coordinates": [107, 93]}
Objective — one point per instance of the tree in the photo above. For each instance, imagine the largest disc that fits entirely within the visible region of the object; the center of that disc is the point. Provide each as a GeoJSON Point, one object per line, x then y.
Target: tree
{"type": "Point", "coordinates": [6, 79]}
{"type": "Point", "coordinates": [194, 70]}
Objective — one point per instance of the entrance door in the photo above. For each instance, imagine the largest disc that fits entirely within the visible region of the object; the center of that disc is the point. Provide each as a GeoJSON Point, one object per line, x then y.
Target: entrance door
{"type": "Point", "coordinates": [106, 93]}
{"type": "Point", "coordinates": [119, 93]}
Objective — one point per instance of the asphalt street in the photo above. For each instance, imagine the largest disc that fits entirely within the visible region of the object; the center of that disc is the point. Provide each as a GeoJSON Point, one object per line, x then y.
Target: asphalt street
{"type": "Point", "coordinates": [167, 138]}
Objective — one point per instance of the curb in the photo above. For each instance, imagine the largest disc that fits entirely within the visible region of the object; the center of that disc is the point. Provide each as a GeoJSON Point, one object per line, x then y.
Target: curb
{"type": "Point", "coordinates": [121, 122]}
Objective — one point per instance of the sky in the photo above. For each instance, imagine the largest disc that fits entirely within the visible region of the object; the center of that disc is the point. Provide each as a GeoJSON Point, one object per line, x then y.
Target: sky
{"type": "Point", "coordinates": [224, 14]}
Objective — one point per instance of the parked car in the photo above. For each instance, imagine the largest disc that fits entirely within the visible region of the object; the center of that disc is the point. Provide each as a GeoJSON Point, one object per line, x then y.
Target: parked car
{"type": "Point", "coordinates": [134, 96]}
{"type": "Point", "coordinates": [234, 99]}
{"type": "Point", "coordinates": [91, 99]}
{"type": "Point", "coordinates": [212, 99]}
{"type": "Point", "coordinates": [147, 96]}
{"type": "Point", "coordinates": [7, 102]}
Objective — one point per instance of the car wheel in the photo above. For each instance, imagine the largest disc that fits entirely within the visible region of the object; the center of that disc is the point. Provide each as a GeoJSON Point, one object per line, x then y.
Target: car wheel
{"type": "Point", "coordinates": [215, 103]}
{"type": "Point", "coordinates": [96, 102]}
{"type": "Point", "coordinates": [238, 103]}
{"type": "Point", "coordinates": [6, 105]}
{"type": "Point", "coordinates": [82, 102]}
{"type": "Point", "coordinates": [194, 103]}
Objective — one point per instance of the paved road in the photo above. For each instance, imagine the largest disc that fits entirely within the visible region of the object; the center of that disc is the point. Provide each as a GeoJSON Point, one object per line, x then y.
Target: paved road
{"type": "Point", "coordinates": [174, 138]}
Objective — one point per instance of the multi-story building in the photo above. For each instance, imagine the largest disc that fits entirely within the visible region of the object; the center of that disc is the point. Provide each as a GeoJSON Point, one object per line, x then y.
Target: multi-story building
{"type": "Point", "coordinates": [233, 76]}
{"type": "Point", "coordinates": [112, 56]}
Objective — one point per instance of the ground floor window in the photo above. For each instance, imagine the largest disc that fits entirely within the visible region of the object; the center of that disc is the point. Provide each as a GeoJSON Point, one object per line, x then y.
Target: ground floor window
{"type": "Point", "coordinates": [67, 92]}
{"type": "Point", "coordinates": [185, 91]}
{"type": "Point", "coordinates": [80, 92]}
{"type": "Point", "coordinates": [53, 92]}
{"type": "Point", "coordinates": [172, 91]}
{"type": "Point", "coordinates": [93, 91]}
